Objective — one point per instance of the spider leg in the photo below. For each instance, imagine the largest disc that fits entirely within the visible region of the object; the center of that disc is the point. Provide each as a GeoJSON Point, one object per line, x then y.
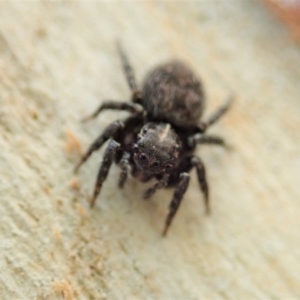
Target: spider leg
{"type": "Point", "coordinates": [181, 181]}
{"type": "Point", "coordinates": [124, 165]}
{"type": "Point", "coordinates": [177, 197]}
{"type": "Point", "coordinates": [127, 68]}
{"type": "Point", "coordinates": [136, 93]}
{"type": "Point", "coordinates": [127, 106]}
{"type": "Point", "coordinates": [134, 107]}
{"type": "Point", "coordinates": [158, 185]}
{"type": "Point", "coordinates": [216, 115]}
{"type": "Point", "coordinates": [198, 164]}
{"type": "Point", "coordinates": [108, 157]}
{"type": "Point", "coordinates": [200, 138]}
{"type": "Point", "coordinates": [110, 131]}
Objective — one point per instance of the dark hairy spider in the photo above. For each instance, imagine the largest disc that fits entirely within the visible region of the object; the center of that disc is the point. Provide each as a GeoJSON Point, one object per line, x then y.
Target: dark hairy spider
{"type": "Point", "coordinates": [159, 138]}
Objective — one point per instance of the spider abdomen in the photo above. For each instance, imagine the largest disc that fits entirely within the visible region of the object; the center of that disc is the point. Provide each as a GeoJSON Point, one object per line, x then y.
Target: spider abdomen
{"type": "Point", "coordinates": [172, 93]}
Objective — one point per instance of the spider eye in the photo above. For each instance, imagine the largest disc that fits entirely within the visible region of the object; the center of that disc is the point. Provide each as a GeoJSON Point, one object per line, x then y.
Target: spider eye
{"type": "Point", "coordinates": [143, 158]}
{"type": "Point", "coordinates": [155, 164]}
{"type": "Point", "coordinates": [144, 130]}
{"type": "Point", "coordinates": [168, 167]}
{"type": "Point", "coordinates": [135, 148]}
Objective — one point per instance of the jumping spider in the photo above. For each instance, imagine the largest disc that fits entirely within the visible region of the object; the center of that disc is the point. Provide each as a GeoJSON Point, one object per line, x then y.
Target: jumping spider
{"type": "Point", "coordinates": [159, 139]}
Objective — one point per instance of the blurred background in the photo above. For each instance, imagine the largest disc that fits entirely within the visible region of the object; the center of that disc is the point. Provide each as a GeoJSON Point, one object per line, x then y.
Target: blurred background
{"type": "Point", "coordinates": [289, 12]}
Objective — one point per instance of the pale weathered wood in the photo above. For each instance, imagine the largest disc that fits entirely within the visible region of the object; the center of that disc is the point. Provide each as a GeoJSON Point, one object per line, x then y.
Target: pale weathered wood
{"type": "Point", "coordinates": [57, 62]}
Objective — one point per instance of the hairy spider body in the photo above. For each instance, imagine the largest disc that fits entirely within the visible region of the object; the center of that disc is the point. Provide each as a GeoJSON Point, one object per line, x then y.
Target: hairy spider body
{"type": "Point", "coordinates": [159, 138]}
{"type": "Point", "coordinates": [173, 94]}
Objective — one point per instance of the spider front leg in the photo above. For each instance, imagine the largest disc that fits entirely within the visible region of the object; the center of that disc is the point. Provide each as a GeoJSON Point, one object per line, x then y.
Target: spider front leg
{"type": "Point", "coordinates": [110, 131]}
{"type": "Point", "coordinates": [160, 184]}
{"type": "Point", "coordinates": [175, 203]}
{"type": "Point", "coordinates": [125, 165]}
{"type": "Point", "coordinates": [180, 179]}
{"type": "Point", "coordinates": [108, 158]}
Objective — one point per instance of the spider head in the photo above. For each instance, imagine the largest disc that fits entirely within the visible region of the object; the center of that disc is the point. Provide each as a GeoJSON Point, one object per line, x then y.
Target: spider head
{"type": "Point", "coordinates": [157, 148]}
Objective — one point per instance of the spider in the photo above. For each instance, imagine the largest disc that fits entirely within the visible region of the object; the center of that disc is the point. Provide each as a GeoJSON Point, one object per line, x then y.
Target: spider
{"type": "Point", "coordinates": [159, 138]}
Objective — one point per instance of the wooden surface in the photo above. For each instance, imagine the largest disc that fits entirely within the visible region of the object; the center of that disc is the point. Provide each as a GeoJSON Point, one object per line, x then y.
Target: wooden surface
{"type": "Point", "coordinates": [57, 63]}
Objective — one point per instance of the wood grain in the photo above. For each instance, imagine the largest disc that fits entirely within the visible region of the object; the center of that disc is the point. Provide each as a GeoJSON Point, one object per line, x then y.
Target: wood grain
{"type": "Point", "coordinates": [58, 61]}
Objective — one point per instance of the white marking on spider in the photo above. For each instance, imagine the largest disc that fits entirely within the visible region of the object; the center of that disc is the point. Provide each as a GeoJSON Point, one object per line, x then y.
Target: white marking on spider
{"type": "Point", "coordinates": [165, 132]}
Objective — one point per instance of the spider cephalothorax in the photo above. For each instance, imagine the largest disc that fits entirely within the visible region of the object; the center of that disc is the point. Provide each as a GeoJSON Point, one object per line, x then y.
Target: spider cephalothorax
{"type": "Point", "coordinates": [157, 148]}
{"type": "Point", "coordinates": [160, 137]}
